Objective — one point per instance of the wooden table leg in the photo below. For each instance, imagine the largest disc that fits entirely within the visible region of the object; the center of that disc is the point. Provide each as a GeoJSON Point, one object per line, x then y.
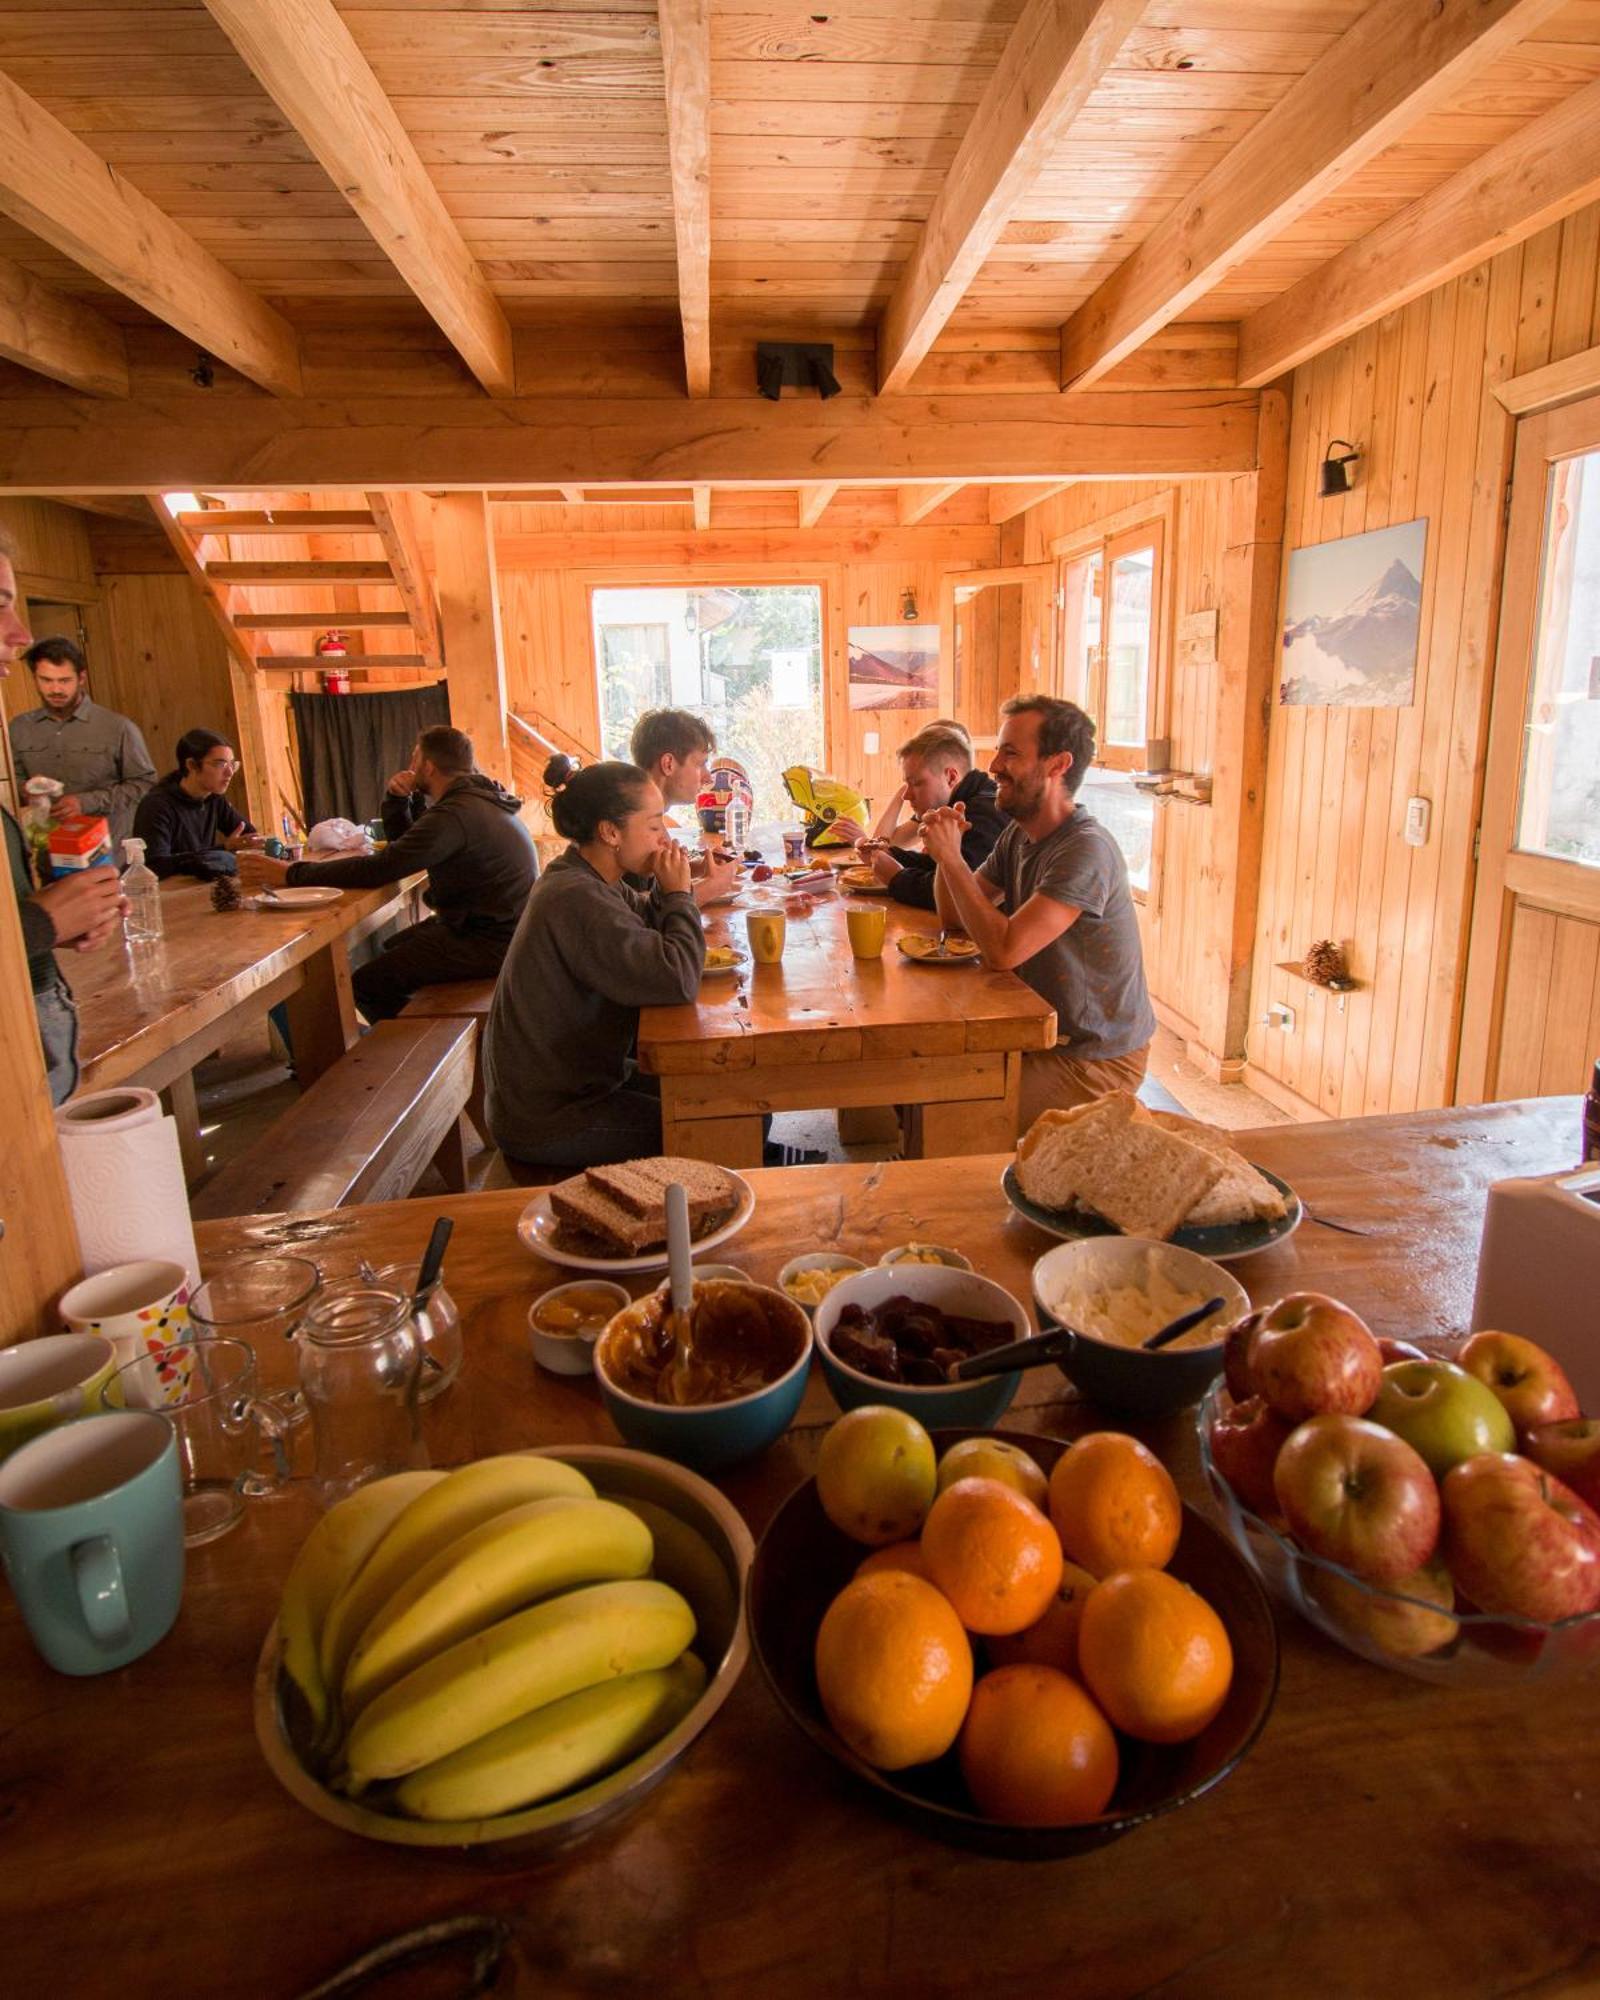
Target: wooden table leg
{"type": "Point", "coordinates": [970, 1124]}
{"type": "Point", "coordinates": [726, 1142]}
{"type": "Point", "coordinates": [322, 1013]}
{"type": "Point", "coordinates": [180, 1099]}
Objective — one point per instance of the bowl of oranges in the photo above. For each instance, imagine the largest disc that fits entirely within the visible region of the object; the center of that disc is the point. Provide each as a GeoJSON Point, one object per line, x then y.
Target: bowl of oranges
{"type": "Point", "coordinates": [1021, 1646]}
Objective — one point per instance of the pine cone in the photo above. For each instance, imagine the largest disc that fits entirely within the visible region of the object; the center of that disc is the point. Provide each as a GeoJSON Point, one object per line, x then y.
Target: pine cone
{"type": "Point", "coordinates": [1325, 964]}
{"type": "Point", "coordinates": [226, 894]}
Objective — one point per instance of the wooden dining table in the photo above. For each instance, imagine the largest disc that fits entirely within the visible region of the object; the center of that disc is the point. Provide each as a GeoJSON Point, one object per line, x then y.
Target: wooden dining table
{"type": "Point", "coordinates": [824, 1030]}
{"type": "Point", "coordinates": [149, 1013]}
{"type": "Point", "coordinates": [1383, 1836]}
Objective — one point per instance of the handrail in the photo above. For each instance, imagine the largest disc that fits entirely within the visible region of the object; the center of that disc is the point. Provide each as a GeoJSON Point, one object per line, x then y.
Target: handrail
{"type": "Point", "coordinates": [572, 747]}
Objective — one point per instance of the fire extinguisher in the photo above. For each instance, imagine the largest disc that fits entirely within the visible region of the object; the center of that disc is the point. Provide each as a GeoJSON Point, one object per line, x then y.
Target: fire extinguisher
{"type": "Point", "coordinates": [333, 646]}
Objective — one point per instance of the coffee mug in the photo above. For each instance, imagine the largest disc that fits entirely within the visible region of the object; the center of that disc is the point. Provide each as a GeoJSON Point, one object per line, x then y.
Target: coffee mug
{"type": "Point", "coordinates": [767, 930]}
{"type": "Point", "coordinates": [141, 1308]}
{"type": "Point", "coordinates": [866, 926]}
{"type": "Point", "coordinates": [91, 1534]}
{"type": "Point", "coordinates": [47, 1381]}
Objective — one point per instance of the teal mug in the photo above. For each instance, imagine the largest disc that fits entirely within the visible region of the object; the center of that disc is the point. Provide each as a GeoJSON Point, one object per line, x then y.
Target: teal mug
{"type": "Point", "coordinates": [91, 1534]}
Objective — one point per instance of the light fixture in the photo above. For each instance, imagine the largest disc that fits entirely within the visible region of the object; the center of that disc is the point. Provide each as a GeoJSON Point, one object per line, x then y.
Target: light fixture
{"type": "Point", "coordinates": [793, 364]}
{"type": "Point", "coordinates": [202, 374]}
{"type": "Point", "coordinates": [1334, 477]}
{"type": "Point", "coordinates": [908, 605]}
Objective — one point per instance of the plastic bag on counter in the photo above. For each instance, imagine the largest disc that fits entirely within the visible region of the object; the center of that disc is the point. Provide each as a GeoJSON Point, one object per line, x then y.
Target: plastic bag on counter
{"type": "Point", "coordinates": [337, 836]}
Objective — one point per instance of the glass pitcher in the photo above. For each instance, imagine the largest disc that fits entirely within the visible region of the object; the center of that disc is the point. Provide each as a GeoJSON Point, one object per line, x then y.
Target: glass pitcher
{"type": "Point", "coordinates": [360, 1368]}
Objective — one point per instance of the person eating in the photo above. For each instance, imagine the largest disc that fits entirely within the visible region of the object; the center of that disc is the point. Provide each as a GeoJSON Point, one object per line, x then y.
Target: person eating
{"type": "Point", "coordinates": [672, 746]}
{"type": "Point", "coordinates": [561, 1085]}
{"type": "Point", "coordinates": [936, 770]}
{"type": "Point", "coordinates": [1052, 901]}
{"type": "Point", "coordinates": [187, 824]}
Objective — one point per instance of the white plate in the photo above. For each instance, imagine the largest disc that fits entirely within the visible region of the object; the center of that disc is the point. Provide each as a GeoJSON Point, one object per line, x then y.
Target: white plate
{"type": "Point", "coordinates": [299, 899]}
{"type": "Point", "coordinates": [741, 960]}
{"type": "Point", "coordinates": [537, 1227]}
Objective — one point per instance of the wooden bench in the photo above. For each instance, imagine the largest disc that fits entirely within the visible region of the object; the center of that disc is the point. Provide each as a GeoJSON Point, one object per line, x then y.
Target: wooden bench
{"type": "Point", "coordinates": [459, 1000]}
{"type": "Point", "coordinates": [364, 1131]}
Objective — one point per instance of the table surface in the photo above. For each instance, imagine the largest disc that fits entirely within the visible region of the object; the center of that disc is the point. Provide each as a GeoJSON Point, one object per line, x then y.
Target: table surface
{"type": "Point", "coordinates": [1383, 1835]}
{"type": "Point", "coordinates": [136, 1003]}
{"type": "Point", "coordinates": [821, 1004]}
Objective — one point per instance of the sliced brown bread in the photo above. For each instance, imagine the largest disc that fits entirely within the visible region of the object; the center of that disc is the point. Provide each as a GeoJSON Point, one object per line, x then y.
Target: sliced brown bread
{"type": "Point", "coordinates": [640, 1186]}
{"type": "Point", "coordinates": [1115, 1160]}
{"type": "Point", "coordinates": [578, 1206]}
{"type": "Point", "coordinates": [1243, 1194]}
{"type": "Point", "coordinates": [593, 1204]}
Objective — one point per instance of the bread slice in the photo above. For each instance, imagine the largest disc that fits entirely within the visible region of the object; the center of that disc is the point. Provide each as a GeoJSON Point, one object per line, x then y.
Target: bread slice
{"type": "Point", "coordinates": [1243, 1194]}
{"type": "Point", "coordinates": [640, 1186]}
{"type": "Point", "coordinates": [1115, 1160]}
{"type": "Point", "coordinates": [595, 1216]}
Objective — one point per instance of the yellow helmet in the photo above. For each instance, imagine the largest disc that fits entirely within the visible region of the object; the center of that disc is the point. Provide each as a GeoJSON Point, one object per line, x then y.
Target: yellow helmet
{"type": "Point", "coordinates": [822, 800]}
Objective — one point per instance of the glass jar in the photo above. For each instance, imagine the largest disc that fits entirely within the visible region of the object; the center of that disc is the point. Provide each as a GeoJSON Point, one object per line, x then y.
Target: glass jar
{"type": "Point", "coordinates": [360, 1366]}
{"type": "Point", "coordinates": [437, 1324]}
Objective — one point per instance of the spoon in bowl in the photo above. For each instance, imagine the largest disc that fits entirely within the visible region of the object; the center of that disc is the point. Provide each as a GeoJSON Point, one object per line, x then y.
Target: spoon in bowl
{"type": "Point", "coordinates": [1057, 1346]}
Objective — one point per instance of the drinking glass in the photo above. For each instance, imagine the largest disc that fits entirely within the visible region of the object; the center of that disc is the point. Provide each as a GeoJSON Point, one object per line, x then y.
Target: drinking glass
{"type": "Point", "coordinates": [206, 1390]}
{"type": "Point", "coordinates": [436, 1323]}
{"type": "Point", "coordinates": [262, 1300]}
{"type": "Point", "coordinates": [360, 1364]}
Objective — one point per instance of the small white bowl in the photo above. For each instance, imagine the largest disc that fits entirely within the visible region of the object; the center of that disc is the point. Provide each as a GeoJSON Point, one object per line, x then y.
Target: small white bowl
{"type": "Point", "coordinates": [927, 1254]}
{"type": "Point", "coordinates": [718, 1271]}
{"type": "Point", "coordinates": [572, 1353]}
{"type": "Point", "coordinates": [816, 1260]}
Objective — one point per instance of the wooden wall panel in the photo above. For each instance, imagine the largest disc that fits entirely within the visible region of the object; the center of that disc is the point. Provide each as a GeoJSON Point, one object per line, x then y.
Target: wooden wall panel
{"type": "Point", "coordinates": [1411, 391]}
{"type": "Point", "coordinates": [1552, 1003]}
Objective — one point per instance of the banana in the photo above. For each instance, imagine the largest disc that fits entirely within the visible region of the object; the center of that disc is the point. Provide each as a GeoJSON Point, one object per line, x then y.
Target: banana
{"type": "Point", "coordinates": [526, 1553]}
{"type": "Point", "coordinates": [686, 1560]}
{"type": "Point", "coordinates": [462, 1501]}
{"type": "Point", "coordinates": [566, 1743]}
{"type": "Point", "coordinates": [590, 1635]}
{"type": "Point", "coordinates": [329, 1557]}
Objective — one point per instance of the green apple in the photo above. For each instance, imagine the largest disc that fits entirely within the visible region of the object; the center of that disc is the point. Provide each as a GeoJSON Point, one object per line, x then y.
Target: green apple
{"type": "Point", "coordinates": [1442, 1412]}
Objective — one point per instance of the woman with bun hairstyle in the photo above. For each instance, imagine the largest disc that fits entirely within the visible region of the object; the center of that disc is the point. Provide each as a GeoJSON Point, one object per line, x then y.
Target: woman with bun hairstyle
{"type": "Point", "coordinates": [561, 1084]}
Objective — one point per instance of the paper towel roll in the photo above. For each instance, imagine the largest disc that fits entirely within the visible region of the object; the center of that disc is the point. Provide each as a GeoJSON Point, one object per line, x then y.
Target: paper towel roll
{"type": "Point", "coordinates": [125, 1180]}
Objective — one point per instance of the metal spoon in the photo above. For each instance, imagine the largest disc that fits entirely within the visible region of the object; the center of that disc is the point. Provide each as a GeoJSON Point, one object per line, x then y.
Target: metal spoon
{"type": "Point", "coordinates": [1057, 1346]}
{"type": "Point", "coordinates": [1177, 1328]}
{"type": "Point", "coordinates": [680, 1291]}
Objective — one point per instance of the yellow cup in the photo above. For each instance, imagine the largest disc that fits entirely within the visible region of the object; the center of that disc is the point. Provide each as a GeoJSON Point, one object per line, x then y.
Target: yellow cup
{"type": "Point", "coordinates": [866, 927]}
{"type": "Point", "coordinates": [50, 1381]}
{"type": "Point", "coordinates": [767, 929]}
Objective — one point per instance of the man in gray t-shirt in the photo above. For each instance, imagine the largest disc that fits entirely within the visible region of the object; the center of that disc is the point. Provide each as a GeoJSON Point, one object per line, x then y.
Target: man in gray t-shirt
{"type": "Point", "coordinates": [1052, 901]}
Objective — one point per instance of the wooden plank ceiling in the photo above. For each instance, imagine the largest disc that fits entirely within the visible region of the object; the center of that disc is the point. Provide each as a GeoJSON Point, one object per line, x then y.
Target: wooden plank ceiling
{"type": "Point", "coordinates": [531, 148]}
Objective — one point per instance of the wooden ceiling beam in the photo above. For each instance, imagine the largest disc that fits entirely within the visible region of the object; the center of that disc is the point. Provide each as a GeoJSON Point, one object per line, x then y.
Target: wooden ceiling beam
{"type": "Point", "coordinates": [113, 506]}
{"type": "Point", "coordinates": [686, 57]}
{"type": "Point", "coordinates": [307, 61]}
{"type": "Point", "coordinates": [1052, 60]}
{"type": "Point", "coordinates": [916, 503]}
{"type": "Point", "coordinates": [1397, 62]}
{"type": "Point", "coordinates": [52, 183]}
{"type": "Point", "coordinates": [814, 503]}
{"type": "Point", "coordinates": [1006, 502]}
{"type": "Point", "coordinates": [58, 336]}
{"type": "Point", "coordinates": [1542, 173]}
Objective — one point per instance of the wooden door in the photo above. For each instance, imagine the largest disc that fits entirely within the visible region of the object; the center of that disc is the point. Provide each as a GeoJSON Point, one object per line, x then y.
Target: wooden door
{"type": "Point", "coordinates": [1531, 1022]}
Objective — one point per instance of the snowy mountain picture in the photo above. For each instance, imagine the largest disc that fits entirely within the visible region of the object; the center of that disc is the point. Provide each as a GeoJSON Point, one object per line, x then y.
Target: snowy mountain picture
{"type": "Point", "coordinates": [1351, 619]}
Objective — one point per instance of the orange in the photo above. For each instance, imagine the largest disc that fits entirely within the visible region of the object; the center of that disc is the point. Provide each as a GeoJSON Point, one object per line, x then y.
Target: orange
{"type": "Point", "coordinates": [1053, 1640]}
{"type": "Point", "coordinates": [994, 1458]}
{"type": "Point", "coordinates": [993, 1554]}
{"type": "Point", "coordinates": [1114, 1505]}
{"type": "Point", "coordinates": [1035, 1751]}
{"type": "Point", "coordinates": [1154, 1655]}
{"type": "Point", "coordinates": [875, 1474]}
{"type": "Point", "coordinates": [895, 1555]}
{"type": "Point", "coordinates": [894, 1670]}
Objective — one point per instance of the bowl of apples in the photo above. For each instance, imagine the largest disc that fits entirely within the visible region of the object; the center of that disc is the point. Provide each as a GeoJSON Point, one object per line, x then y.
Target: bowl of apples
{"type": "Point", "coordinates": [1434, 1513]}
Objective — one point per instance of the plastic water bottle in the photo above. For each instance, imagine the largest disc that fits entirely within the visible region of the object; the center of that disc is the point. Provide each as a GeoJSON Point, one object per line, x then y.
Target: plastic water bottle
{"type": "Point", "coordinates": [142, 924]}
{"type": "Point", "coordinates": [737, 823]}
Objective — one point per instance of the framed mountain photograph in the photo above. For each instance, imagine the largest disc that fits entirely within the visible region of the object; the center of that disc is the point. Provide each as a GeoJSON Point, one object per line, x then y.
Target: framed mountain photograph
{"type": "Point", "coordinates": [894, 666]}
{"type": "Point", "coordinates": [1352, 616]}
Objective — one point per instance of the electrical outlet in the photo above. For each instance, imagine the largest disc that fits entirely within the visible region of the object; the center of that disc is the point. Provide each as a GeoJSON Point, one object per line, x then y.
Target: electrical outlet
{"type": "Point", "coordinates": [1279, 1015]}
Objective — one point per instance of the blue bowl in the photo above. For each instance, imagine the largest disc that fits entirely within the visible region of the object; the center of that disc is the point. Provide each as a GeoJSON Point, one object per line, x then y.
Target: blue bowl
{"type": "Point", "coordinates": [965, 1405]}
{"type": "Point", "coordinates": [710, 1436]}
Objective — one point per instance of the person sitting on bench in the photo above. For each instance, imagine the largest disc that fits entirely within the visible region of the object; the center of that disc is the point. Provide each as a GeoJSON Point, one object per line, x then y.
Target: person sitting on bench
{"type": "Point", "coordinates": [443, 815]}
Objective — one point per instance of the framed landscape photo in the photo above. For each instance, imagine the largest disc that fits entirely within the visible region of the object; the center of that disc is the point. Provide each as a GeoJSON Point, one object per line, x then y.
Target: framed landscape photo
{"type": "Point", "coordinates": [894, 666]}
{"type": "Point", "coordinates": [1352, 618]}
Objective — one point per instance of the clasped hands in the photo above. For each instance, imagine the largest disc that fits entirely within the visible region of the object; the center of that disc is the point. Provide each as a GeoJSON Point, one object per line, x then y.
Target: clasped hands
{"type": "Point", "coordinates": [943, 830]}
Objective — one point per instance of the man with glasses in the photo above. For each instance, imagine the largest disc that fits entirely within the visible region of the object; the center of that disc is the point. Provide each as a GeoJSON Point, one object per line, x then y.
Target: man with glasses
{"type": "Point", "coordinates": [187, 825]}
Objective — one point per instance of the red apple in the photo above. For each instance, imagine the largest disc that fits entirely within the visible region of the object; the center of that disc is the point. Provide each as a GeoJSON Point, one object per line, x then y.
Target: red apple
{"type": "Point", "coordinates": [1245, 1442]}
{"type": "Point", "coordinates": [1358, 1495]}
{"type": "Point", "coordinates": [1571, 1450]}
{"type": "Point", "coordinates": [1520, 1544]}
{"type": "Point", "coordinates": [1532, 1384]}
{"type": "Point", "coordinates": [1236, 1347]}
{"type": "Point", "coordinates": [1405, 1630]}
{"type": "Point", "coordinates": [1402, 1350]}
{"type": "Point", "coordinates": [1312, 1356]}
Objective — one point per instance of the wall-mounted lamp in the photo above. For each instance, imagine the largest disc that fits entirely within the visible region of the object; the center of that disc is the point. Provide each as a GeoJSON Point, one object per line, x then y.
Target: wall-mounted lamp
{"type": "Point", "coordinates": [1334, 477]}
{"type": "Point", "coordinates": [908, 606]}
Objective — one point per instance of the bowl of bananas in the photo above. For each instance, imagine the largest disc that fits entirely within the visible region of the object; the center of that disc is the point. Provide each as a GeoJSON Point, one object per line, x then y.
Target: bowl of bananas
{"type": "Point", "coordinates": [503, 1656]}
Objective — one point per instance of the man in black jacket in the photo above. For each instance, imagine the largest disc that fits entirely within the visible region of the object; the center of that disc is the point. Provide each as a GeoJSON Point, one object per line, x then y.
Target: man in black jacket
{"type": "Point", "coordinates": [936, 767]}
{"type": "Point", "coordinates": [442, 815]}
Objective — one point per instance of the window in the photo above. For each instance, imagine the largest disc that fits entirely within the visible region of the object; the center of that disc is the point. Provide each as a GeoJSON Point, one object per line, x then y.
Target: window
{"type": "Point", "coordinates": [1559, 803]}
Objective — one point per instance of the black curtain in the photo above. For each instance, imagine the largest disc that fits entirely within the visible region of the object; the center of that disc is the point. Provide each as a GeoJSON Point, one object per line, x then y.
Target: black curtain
{"type": "Point", "coordinates": [351, 744]}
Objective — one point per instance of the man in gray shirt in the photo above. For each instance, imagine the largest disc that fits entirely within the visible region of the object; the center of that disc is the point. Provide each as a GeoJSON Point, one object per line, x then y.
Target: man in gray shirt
{"type": "Point", "coordinates": [1053, 902]}
{"type": "Point", "coordinates": [97, 754]}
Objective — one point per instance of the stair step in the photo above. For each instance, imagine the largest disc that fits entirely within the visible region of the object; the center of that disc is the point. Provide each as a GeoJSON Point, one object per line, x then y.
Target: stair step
{"type": "Point", "coordinates": [299, 572]}
{"type": "Point", "coordinates": [300, 621]}
{"type": "Point", "coordinates": [259, 521]}
{"type": "Point", "coordinates": [301, 663]}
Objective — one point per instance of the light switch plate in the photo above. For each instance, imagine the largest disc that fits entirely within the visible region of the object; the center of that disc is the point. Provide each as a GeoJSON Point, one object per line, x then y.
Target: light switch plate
{"type": "Point", "coordinates": [869, 743]}
{"type": "Point", "coordinates": [1419, 818]}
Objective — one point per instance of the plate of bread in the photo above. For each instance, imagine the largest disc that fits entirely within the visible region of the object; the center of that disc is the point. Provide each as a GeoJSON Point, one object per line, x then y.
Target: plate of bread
{"type": "Point", "coordinates": [1115, 1167]}
{"type": "Point", "coordinates": [614, 1218]}
{"type": "Point", "coordinates": [862, 882]}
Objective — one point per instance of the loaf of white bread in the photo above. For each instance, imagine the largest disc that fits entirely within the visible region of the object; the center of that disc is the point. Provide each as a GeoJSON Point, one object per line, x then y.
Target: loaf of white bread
{"type": "Point", "coordinates": [622, 1209]}
{"type": "Point", "coordinates": [1147, 1172]}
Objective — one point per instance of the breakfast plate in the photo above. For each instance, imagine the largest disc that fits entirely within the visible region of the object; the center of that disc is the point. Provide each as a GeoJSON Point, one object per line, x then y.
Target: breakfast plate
{"type": "Point", "coordinates": [540, 1233]}
{"type": "Point", "coordinates": [723, 958]}
{"type": "Point", "coordinates": [924, 950]}
{"type": "Point", "coordinates": [298, 899]}
{"type": "Point", "coordinates": [1221, 1242]}
{"type": "Point", "coordinates": [862, 882]}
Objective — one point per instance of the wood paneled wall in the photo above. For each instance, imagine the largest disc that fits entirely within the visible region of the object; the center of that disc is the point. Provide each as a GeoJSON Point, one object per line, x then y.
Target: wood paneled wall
{"type": "Point", "coordinates": [1411, 392]}
{"type": "Point", "coordinates": [166, 664]}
